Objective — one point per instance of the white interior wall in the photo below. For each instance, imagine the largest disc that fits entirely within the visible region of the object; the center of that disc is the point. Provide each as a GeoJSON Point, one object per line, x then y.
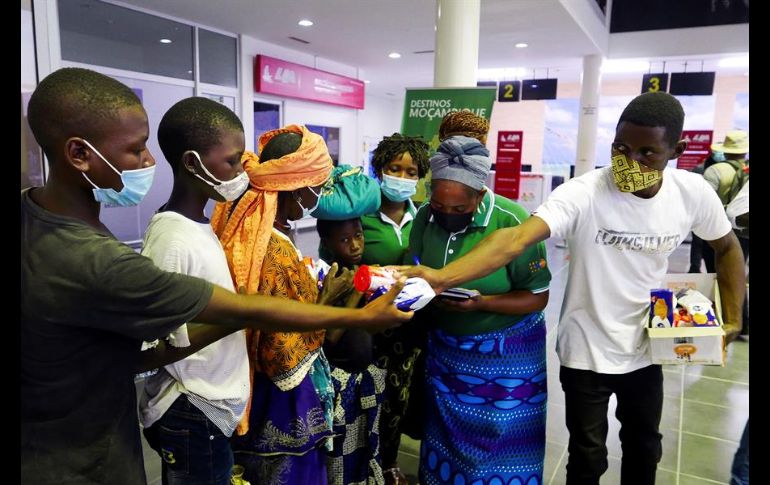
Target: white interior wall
{"type": "Point", "coordinates": [28, 76]}
{"type": "Point", "coordinates": [693, 41]}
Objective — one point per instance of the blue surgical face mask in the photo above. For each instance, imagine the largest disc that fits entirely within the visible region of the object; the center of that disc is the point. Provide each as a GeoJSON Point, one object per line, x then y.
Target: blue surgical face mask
{"type": "Point", "coordinates": [136, 184]}
{"type": "Point", "coordinates": [305, 211]}
{"type": "Point", "coordinates": [398, 189]}
{"type": "Point", "coordinates": [718, 156]}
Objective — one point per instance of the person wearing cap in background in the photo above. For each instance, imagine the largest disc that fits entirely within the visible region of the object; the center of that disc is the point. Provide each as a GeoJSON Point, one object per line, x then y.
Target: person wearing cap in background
{"type": "Point", "coordinates": [700, 252]}
{"type": "Point", "coordinates": [728, 178]}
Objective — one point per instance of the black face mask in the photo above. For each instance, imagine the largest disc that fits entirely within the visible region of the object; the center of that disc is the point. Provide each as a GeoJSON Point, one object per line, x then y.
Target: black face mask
{"type": "Point", "coordinates": [452, 222]}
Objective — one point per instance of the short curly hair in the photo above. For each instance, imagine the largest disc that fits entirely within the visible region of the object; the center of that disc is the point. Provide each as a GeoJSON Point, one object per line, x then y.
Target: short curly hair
{"type": "Point", "coordinates": [195, 123]}
{"type": "Point", "coordinates": [392, 146]}
{"type": "Point", "coordinates": [656, 110]}
{"type": "Point", "coordinates": [463, 123]}
{"type": "Point", "coordinates": [76, 102]}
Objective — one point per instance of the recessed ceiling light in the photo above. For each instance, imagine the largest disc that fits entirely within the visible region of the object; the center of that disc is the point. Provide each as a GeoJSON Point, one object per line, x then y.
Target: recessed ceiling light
{"type": "Point", "coordinates": [394, 55]}
{"type": "Point", "coordinates": [305, 22]}
{"type": "Point", "coordinates": [366, 81]}
{"type": "Point", "coordinates": [521, 45]}
{"type": "Point", "coordinates": [165, 41]}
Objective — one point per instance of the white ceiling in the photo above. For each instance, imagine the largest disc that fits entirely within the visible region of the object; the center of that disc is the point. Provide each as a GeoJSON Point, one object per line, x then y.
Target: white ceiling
{"type": "Point", "coordinates": [361, 33]}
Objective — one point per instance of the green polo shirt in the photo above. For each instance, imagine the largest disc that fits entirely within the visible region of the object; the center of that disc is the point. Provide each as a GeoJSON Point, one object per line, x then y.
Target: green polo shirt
{"type": "Point", "coordinates": [385, 241]}
{"type": "Point", "coordinates": [436, 248]}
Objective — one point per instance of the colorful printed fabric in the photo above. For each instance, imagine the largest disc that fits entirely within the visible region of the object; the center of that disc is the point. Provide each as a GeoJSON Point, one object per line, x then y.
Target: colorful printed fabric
{"type": "Point", "coordinates": [285, 357]}
{"type": "Point", "coordinates": [281, 355]}
{"type": "Point", "coordinates": [245, 229]}
{"type": "Point", "coordinates": [287, 432]}
{"type": "Point", "coordinates": [355, 458]}
{"type": "Point", "coordinates": [463, 123]}
{"type": "Point", "coordinates": [485, 422]}
{"type": "Point", "coordinates": [350, 193]}
{"type": "Point", "coordinates": [399, 351]}
{"type": "Point", "coordinates": [245, 232]}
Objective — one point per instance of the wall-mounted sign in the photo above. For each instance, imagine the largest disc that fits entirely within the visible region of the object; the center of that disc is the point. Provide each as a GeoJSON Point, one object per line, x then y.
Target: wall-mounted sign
{"type": "Point", "coordinates": [652, 83]}
{"type": "Point", "coordinates": [698, 148]}
{"type": "Point", "coordinates": [509, 91]}
{"type": "Point", "coordinates": [538, 89]}
{"type": "Point", "coordinates": [486, 84]}
{"type": "Point", "coordinates": [692, 83]}
{"type": "Point", "coordinates": [282, 78]}
{"type": "Point", "coordinates": [508, 163]}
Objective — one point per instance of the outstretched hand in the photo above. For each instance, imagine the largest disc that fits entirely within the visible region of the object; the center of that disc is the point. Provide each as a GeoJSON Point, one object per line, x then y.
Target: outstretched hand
{"type": "Point", "coordinates": [432, 276]}
{"type": "Point", "coordinates": [382, 314]}
{"type": "Point", "coordinates": [335, 286]}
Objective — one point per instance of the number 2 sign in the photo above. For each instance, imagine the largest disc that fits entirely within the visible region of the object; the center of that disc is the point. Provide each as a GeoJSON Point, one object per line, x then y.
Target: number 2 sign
{"type": "Point", "coordinates": [508, 91]}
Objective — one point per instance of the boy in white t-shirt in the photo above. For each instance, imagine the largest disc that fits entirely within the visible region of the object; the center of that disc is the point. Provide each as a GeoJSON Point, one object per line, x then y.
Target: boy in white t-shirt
{"type": "Point", "coordinates": [622, 222]}
{"type": "Point", "coordinates": [191, 407]}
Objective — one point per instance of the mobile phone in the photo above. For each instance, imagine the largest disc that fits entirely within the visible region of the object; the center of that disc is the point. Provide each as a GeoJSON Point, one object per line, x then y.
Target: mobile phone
{"type": "Point", "coordinates": [459, 294]}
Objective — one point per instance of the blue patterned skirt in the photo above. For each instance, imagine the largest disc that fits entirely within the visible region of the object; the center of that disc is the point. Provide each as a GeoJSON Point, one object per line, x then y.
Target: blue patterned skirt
{"type": "Point", "coordinates": [355, 458]}
{"type": "Point", "coordinates": [485, 420]}
{"type": "Point", "coordinates": [288, 430]}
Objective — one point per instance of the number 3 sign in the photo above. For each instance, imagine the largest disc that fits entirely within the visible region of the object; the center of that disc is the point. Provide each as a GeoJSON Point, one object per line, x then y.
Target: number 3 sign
{"type": "Point", "coordinates": [652, 83]}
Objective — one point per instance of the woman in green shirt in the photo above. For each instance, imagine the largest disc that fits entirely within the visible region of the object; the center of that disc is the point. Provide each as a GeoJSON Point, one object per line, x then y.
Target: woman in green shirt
{"type": "Point", "coordinates": [399, 162]}
{"type": "Point", "coordinates": [485, 358]}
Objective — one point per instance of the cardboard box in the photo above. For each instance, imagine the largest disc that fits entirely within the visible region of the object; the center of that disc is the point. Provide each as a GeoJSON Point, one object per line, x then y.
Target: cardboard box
{"type": "Point", "coordinates": [690, 345]}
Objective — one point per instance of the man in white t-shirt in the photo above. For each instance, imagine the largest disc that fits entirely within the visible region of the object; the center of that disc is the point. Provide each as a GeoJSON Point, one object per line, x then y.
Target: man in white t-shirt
{"type": "Point", "coordinates": [622, 222]}
{"type": "Point", "coordinates": [191, 407]}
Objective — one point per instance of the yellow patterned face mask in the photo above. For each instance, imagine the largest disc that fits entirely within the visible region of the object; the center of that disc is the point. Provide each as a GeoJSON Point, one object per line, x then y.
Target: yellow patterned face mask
{"type": "Point", "coordinates": [629, 177]}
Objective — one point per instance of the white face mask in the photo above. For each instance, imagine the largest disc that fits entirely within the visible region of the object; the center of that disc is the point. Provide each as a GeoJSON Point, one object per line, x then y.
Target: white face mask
{"type": "Point", "coordinates": [228, 189]}
{"type": "Point", "coordinates": [305, 211]}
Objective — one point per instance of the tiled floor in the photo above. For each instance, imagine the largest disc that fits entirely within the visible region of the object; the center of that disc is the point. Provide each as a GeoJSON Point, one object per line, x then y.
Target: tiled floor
{"type": "Point", "coordinates": [704, 412]}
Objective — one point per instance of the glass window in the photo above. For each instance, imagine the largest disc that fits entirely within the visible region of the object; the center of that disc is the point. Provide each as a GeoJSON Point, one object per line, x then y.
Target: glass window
{"type": "Point", "coordinates": [267, 117]}
{"type": "Point", "coordinates": [228, 101]}
{"type": "Point", "coordinates": [102, 34]}
{"type": "Point", "coordinates": [218, 56]}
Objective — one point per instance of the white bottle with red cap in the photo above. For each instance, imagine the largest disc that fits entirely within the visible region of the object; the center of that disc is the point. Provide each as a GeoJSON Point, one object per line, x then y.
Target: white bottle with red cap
{"type": "Point", "coordinates": [374, 281]}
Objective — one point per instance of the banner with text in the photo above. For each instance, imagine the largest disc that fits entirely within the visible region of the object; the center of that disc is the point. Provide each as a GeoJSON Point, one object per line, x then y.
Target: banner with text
{"type": "Point", "coordinates": [283, 78]}
{"type": "Point", "coordinates": [698, 148]}
{"type": "Point", "coordinates": [425, 108]}
{"type": "Point", "coordinates": [508, 163]}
